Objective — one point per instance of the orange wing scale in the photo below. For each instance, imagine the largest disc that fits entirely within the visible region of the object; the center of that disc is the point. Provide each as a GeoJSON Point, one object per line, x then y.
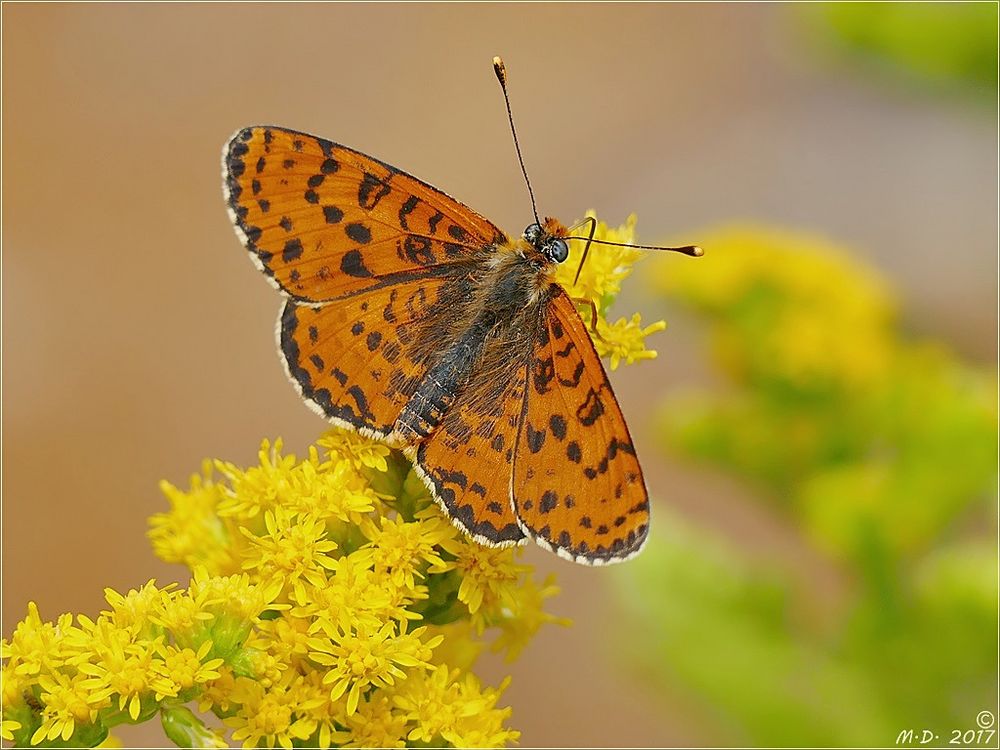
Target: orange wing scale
{"type": "Point", "coordinates": [577, 485]}
{"type": "Point", "coordinates": [324, 221]}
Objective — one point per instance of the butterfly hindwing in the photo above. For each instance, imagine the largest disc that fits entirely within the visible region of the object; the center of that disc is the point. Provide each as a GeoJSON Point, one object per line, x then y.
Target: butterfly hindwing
{"type": "Point", "coordinates": [357, 361]}
{"type": "Point", "coordinates": [469, 459]}
{"type": "Point", "coordinates": [577, 485]}
{"type": "Point", "coordinates": [324, 221]}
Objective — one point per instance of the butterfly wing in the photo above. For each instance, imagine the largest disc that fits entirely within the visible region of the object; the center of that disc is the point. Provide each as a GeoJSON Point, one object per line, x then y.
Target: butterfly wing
{"type": "Point", "coordinates": [468, 461]}
{"type": "Point", "coordinates": [358, 360]}
{"type": "Point", "coordinates": [326, 222]}
{"type": "Point", "coordinates": [374, 262]}
{"type": "Point", "coordinates": [577, 485]}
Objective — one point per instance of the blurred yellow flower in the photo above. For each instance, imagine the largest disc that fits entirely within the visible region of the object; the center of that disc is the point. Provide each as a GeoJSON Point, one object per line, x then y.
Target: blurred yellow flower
{"type": "Point", "coordinates": [490, 580]}
{"type": "Point", "coordinates": [809, 308]}
{"type": "Point", "coordinates": [192, 533]}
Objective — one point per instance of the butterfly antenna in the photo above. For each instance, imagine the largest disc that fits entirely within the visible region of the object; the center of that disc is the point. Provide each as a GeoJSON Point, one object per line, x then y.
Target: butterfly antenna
{"type": "Point", "coordinates": [691, 250]}
{"type": "Point", "coordinates": [501, 71]}
{"type": "Point", "coordinates": [586, 248]}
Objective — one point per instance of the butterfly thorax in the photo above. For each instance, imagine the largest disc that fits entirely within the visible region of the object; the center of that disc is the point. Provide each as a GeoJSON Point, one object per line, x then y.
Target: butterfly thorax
{"type": "Point", "coordinates": [496, 305]}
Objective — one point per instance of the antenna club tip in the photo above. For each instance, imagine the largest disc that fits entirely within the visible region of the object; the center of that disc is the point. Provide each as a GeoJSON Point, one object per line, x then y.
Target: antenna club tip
{"type": "Point", "coordinates": [696, 251]}
{"type": "Point", "coordinates": [499, 69]}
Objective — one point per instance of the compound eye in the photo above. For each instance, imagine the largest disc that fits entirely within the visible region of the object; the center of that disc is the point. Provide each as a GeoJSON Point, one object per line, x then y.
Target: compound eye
{"type": "Point", "coordinates": [557, 251]}
{"type": "Point", "coordinates": [532, 232]}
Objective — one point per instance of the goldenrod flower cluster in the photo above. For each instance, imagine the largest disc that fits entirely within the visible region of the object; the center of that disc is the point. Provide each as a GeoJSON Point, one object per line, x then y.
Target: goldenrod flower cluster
{"type": "Point", "coordinates": [332, 604]}
{"type": "Point", "coordinates": [597, 287]}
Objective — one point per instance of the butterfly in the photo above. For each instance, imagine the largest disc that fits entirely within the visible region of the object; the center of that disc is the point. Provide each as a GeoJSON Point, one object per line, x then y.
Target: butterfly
{"type": "Point", "coordinates": [414, 320]}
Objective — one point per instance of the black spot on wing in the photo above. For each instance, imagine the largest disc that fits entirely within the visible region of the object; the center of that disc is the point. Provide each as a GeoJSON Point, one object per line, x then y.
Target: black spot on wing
{"type": "Point", "coordinates": [358, 232]}
{"type": "Point", "coordinates": [292, 250]}
{"type": "Point", "coordinates": [535, 438]}
{"type": "Point", "coordinates": [353, 265]}
{"type": "Point", "coordinates": [548, 501]}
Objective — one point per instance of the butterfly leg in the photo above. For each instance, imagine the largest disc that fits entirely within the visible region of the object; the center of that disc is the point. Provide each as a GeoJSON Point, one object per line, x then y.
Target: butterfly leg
{"type": "Point", "coordinates": [593, 316]}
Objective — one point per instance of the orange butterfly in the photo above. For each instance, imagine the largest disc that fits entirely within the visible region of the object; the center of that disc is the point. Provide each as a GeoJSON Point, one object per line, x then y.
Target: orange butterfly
{"type": "Point", "coordinates": [414, 320]}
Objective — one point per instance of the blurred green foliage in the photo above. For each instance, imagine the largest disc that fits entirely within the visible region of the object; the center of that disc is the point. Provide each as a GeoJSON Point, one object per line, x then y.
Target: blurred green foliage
{"type": "Point", "coordinates": [941, 43]}
{"type": "Point", "coordinates": [880, 452]}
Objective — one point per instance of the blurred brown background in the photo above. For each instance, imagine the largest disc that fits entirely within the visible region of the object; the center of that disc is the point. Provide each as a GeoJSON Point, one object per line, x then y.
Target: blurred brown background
{"type": "Point", "coordinates": [137, 337]}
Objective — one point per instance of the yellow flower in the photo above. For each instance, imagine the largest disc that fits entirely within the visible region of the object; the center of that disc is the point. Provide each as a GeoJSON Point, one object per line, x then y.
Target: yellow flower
{"type": "Point", "coordinates": [192, 533]}
{"type": "Point", "coordinates": [217, 695]}
{"type": "Point", "coordinates": [235, 596]}
{"type": "Point", "coordinates": [323, 716]}
{"type": "Point", "coordinates": [67, 702]}
{"type": "Point", "coordinates": [353, 596]}
{"type": "Point", "coordinates": [187, 668]}
{"type": "Point", "coordinates": [35, 646]}
{"type": "Point", "coordinates": [359, 658]}
{"type": "Point", "coordinates": [286, 637]}
{"type": "Point", "coordinates": [128, 670]}
{"type": "Point", "coordinates": [599, 282]}
{"type": "Point", "coordinates": [398, 548]}
{"type": "Point", "coordinates": [265, 717]}
{"type": "Point", "coordinates": [485, 727]}
{"type": "Point", "coordinates": [625, 340]}
{"type": "Point", "coordinates": [606, 267]}
{"type": "Point", "coordinates": [356, 449]}
{"type": "Point", "coordinates": [8, 727]}
{"type": "Point", "coordinates": [330, 490]}
{"type": "Point", "coordinates": [519, 627]}
{"type": "Point", "coordinates": [187, 614]}
{"type": "Point", "coordinates": [259, 487]}
{"type": "Point", "coordinates": [310, 643]}
{"type": "Point", "coordinates": [490, 579]}
{"type": "Point", "coordinates": [459, 711]}
{"type": "Point", "coordinates": [811, 311]}
{"type": "Point", "coordinates": [376, 724]}
{"type": "Point", "coordinates": [294, 548]}
{"type": "Point", "coordinates": [138, 608]}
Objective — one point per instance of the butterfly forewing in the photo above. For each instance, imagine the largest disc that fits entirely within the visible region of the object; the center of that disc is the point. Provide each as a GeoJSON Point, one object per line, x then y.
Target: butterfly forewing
{"type": "Point", "coordinates": [324, 221]}
{"type": "Point", "coordinates": [577, 484]}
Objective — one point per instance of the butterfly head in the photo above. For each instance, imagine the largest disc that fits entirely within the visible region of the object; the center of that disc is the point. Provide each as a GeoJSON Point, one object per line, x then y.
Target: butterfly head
{"type": "Point", "coordinates": [547, 238]}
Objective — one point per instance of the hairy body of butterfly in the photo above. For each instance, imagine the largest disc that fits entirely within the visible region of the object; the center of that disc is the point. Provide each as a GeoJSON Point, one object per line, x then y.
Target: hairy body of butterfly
{"type": "Point", "coordinates": [414, 320]}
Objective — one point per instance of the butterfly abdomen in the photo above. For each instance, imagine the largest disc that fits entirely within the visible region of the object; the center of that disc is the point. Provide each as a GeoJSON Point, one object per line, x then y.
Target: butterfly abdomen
{"type": "Point", "coordinates": [493, 307]}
